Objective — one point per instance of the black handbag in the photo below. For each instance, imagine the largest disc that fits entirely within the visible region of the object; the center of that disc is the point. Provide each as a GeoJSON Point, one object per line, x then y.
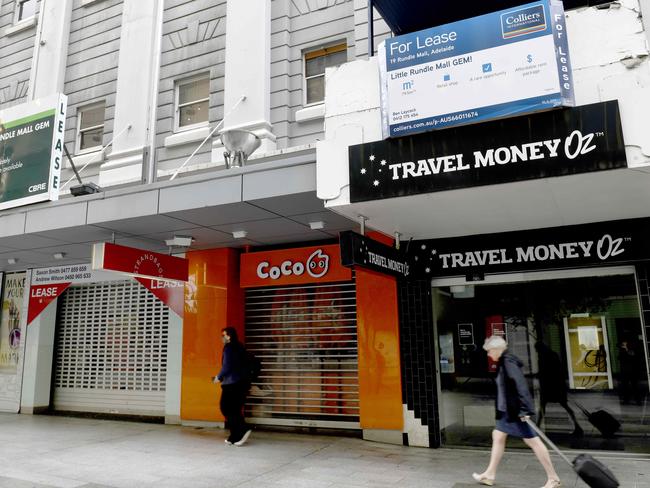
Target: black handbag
{"type": "Point", "coordinates": [590, 470]}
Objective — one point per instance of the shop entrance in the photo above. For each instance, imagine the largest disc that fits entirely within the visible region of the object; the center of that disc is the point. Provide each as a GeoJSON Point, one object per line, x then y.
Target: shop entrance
{"type": "Point", "coordinates": [306, 339]}
{"type": "Point", "coordinates": [580, 338]}
{"type": "Point", "coordinates": [111, 350]}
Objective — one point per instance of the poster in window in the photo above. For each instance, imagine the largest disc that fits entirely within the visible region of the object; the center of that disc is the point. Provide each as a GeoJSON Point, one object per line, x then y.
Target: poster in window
{"type": "Point", "coordinates": [447, 359]}
{"type": "Point", "coordinates": [11, 333]}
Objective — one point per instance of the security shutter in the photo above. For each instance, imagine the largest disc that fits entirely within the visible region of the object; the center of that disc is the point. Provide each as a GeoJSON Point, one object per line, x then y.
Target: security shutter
{"type": "Point", "coordinates": [306, 339]}
{"type": "Point", "coordinates": [111, 350]}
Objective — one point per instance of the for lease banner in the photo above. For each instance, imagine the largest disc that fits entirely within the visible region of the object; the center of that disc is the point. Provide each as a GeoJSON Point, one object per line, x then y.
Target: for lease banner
{"type": "Point", "coordinates": [31, 151]}
{"type": "Point", "coordinates": [49, 283]}
{"type": "Point", "coordinates": [501, 64]}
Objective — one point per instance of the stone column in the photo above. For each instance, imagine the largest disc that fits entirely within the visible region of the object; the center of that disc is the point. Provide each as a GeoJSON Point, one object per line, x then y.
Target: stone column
{"type": "Point", "coordinates": [139, 43]}
{"type": "Point", "coordinates": [50, 49]}
{"type": "Point", "coordinates": [248, 71]}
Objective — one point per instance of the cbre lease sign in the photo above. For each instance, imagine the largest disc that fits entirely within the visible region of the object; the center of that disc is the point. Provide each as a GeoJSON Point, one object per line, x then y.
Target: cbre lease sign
{"type": "Point", "coordinates": [31, 151]}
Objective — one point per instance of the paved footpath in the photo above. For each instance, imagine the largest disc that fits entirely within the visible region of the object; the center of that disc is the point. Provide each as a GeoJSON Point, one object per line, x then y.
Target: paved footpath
{"type": "Point", "coordinates": [47, 452]}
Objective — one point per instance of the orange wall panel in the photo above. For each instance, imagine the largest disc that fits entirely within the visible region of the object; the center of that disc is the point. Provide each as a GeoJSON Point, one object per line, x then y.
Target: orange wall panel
{"type": "Point", "coordinates": [213, 300]}
{"type": "Point", "coordinates": [380, 389]}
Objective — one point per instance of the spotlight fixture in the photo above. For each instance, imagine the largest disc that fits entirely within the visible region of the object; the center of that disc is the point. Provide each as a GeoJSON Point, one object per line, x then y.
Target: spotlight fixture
{"type": "Point", "coordinates": [12, 260]}
{"type": "Point", "coordinates": [239, 234]}
{"type": "Point", "coordinates": [179, 241]}
{"type": "Point", "coordinates": [239, 144]}
{"type": "Point", "coordinates": [59, 255]}
{"type": "Point", "coordinates": [319, 224]}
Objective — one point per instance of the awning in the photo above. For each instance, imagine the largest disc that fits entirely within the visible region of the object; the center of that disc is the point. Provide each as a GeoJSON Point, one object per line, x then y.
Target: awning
{"type": "Point", "coordinates": [404, 16]}
{"type": "Point", "coordinates": [270, 203]}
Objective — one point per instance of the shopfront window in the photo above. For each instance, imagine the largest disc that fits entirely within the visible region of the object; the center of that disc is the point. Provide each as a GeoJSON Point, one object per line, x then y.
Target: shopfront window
{"type": "Point", "coordinates": [582, 346]}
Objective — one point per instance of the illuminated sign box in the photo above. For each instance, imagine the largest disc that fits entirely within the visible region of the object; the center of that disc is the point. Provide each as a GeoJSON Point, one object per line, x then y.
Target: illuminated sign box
{"type": "Point", "coordinates": [506, 63]}
{"type": "Point", "coordinates": [31, 151]}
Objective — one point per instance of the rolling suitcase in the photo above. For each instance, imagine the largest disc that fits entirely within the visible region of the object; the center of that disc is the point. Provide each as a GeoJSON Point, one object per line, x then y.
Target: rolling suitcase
{"type": "Point", "coordinates": [602, 420]}
{"type": "Point", "coordinates": [590, 470]}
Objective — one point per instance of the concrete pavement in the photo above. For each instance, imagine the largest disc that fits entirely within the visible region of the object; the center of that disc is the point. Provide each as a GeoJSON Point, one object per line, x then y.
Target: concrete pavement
{"type": "Point", "coordinates": [62, 452]}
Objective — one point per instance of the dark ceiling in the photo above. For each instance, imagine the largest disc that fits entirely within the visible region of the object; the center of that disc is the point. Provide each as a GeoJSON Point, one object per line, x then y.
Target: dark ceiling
{"type": "Point", "coordinates": [404, 16]}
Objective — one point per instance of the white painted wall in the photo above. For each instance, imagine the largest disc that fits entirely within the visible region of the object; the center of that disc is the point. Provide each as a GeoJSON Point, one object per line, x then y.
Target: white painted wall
{"type": "Point", "coordinates": [352, 116]}
{"type": "Point", "coordinates": [174, 369]}
{"type": "Point", "coordinates": [609, 56]}
{"type": "Point", "coordinates": [39, 353]}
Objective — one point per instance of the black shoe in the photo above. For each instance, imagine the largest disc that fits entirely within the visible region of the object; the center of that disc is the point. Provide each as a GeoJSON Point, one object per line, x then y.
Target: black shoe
{"type": "Point", "coordinates": [578, 432]}
{"type": "Point", "coordinates": [244, 438]}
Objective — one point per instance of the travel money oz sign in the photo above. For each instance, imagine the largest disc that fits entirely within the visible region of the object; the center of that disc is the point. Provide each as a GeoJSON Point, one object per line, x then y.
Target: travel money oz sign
{"type": "Point", "coordinates": [555, 143]}
{"type": "Point", "coordinates": [31, 151]}
{"type": "Point", "coordinates": [598, 244]}
{"type": "Point", "coordinates": [358, 250]}
{"type": "Point", "coordinates": [501, 64]}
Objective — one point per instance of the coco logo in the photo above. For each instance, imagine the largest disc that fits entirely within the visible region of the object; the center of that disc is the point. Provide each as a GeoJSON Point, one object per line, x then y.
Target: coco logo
{"type": "Point", "coordinates": [577, 144]}
{"type": "Point", "coordinates": [316, 266]}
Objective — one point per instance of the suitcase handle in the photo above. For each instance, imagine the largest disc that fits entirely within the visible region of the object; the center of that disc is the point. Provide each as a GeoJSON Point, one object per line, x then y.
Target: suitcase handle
{"type": "Point", "coordinates": [548, 441]}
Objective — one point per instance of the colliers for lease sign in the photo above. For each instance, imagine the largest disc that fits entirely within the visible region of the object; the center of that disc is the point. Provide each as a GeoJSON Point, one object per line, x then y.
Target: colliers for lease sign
{"type": "Point", "coordinates": [31, 151]}
{"type": "Point", "coordinates": [497, 65]}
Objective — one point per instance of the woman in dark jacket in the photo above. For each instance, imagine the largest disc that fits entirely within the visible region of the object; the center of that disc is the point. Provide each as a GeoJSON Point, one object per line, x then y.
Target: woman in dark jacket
{"type": "Point", "coordinates": [235, 384]}
{"type": "Point", "coordinates": [514, 405]}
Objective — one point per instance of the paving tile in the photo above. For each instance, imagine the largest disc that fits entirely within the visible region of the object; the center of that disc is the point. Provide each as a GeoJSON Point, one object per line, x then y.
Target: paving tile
{"type": "Point", "coordinates": [60, 452]}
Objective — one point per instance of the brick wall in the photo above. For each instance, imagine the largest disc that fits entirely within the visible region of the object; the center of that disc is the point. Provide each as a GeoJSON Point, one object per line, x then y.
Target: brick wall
{"type": "Point", "coordinates": [417, 346]}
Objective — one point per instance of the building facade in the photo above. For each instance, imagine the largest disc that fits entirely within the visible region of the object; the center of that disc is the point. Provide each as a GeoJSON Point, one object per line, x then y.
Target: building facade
{"type": "Point", "coordinates": [152, 86]}
{"type": "Point", "coordinates": [488, 238]}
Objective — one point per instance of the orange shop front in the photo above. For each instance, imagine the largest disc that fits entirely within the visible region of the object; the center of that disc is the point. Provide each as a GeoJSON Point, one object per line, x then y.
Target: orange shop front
{"type": "Point", "coordinates": [327, 337]}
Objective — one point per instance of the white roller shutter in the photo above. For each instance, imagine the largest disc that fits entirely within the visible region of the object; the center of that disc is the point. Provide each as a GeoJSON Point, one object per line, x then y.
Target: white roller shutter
{"type": "Point", "coordinates": [111, 350]}
{"type": "Point", "coordinates": [306, 339]}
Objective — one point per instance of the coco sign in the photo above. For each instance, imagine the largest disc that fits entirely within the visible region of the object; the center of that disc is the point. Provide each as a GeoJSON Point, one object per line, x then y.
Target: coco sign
{"type": "Point", "coordinates": [292, 267]}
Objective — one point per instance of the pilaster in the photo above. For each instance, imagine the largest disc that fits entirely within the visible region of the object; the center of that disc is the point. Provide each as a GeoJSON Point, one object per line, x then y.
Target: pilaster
{"type": "Point", "coordinates": [134, 101]}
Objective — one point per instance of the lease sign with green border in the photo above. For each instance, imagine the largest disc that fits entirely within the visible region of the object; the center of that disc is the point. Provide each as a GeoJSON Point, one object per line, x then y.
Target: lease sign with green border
{"type": "Point", "coordinates": [31, 151]}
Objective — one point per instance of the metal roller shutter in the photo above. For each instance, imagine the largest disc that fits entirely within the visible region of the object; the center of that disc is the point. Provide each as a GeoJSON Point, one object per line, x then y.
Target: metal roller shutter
{"type": "Point", "coordinates": [306, 339]}
{"type": "Point", "coordinates": [111, 350]}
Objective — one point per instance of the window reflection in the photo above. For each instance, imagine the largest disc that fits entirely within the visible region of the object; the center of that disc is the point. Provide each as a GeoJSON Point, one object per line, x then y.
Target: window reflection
{"type": "Point", "coordinates": [582, 345]}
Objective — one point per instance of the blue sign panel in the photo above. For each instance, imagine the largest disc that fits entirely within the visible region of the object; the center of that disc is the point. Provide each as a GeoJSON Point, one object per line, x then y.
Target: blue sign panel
{"type": "Point", "coordinates": [501, 64]}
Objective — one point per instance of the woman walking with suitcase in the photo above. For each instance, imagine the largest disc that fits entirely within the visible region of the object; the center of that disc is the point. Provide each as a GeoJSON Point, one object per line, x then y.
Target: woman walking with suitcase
{"type": "Point", "coordinates": [514, 406]}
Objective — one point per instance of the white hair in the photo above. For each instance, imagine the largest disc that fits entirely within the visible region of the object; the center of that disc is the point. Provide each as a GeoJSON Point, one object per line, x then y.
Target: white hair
{"type": "Point", "coordinates": [495, 342]}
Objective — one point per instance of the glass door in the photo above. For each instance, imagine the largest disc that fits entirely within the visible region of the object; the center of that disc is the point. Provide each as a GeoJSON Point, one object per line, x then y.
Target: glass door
{"type": "Point", "coordinates": [581, 344]}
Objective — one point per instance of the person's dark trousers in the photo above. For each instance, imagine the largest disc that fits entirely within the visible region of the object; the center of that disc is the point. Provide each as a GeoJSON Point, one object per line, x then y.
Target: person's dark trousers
{"type": "Point", "coordinates": [232, 402]}
{"type": "Point", "coordinates": [630, 388]}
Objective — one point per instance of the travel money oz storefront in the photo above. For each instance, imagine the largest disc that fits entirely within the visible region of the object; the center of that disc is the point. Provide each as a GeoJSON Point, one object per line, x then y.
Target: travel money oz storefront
{"type": "Point", "coordinates": [571, 301]}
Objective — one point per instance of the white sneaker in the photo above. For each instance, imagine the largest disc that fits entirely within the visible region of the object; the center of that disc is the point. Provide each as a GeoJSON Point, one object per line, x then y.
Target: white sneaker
{"type": "Point", "coordinates": [244, 438]}
{"type": "Point", "coordinates": [227, 442]}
